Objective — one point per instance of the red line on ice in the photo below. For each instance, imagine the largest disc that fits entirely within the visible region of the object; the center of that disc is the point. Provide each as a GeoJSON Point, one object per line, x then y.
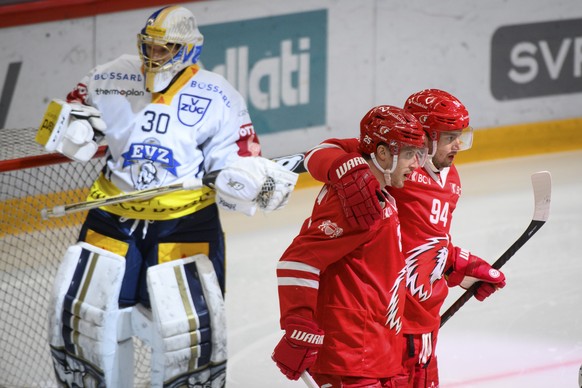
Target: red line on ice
{"type": "Point", "coordinates": [536, 369]}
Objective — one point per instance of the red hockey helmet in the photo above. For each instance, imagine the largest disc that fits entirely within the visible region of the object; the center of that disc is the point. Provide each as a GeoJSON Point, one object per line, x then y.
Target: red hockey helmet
{"type": "Point", "coordinates": [390, 125]}
{"type": "Point", "coordinates": [439, 111]}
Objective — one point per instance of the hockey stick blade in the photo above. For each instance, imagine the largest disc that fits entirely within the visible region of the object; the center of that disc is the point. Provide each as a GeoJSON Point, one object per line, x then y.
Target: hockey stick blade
{"type": "Point", "coordinates": [542, 188]}
{"type": "Point", "coordinates": [291, 162]}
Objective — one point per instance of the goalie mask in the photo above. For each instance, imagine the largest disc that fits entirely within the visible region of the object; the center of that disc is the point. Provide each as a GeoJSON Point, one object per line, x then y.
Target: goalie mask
{"type": "Point", "coordinates": [395, 128]}
{"type": "Point", "coordinates": [440, 113]}
{"type": "Point", "coordinates": [169, 42]}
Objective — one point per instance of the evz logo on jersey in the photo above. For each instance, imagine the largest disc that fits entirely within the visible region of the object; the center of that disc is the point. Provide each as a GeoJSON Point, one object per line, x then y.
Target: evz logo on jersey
{"type": "Point", "coordinates": [147, 162]}
{"type": "Point", "coordinates": [191, 109]}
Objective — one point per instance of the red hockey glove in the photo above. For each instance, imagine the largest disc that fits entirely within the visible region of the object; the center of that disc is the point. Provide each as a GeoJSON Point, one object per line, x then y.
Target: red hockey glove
{"type": "Point", "coordinates": [468, 269]}
{"type": "Point", "coordinates": [298, 348]}
{"type": "Point", "coordinates": [356, 187]}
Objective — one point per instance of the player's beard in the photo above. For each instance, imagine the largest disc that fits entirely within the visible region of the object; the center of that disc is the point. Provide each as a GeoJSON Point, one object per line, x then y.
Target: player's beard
{"type": "Point", "coordinates": [445, 161]}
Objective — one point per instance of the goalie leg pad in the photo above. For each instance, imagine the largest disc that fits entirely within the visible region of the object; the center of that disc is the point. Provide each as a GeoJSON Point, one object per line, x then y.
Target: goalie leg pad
{"type": "Point", "coordinates": [190, 322]}
{"type": "Point", "coordinates": [84, 319]}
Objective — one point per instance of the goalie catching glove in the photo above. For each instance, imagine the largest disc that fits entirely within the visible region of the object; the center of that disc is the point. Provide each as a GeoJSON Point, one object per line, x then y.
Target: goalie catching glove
{"type": "Point", "coordinates": [356, 188]}
{"type": "Point", "coordinates": [297, 350]}
{"type": "Point", "coordinates": [467, 269]}
{"type": "Point", "coordinates": [71, 129]}
{"type": "Point", "coordinates": [254, 182]}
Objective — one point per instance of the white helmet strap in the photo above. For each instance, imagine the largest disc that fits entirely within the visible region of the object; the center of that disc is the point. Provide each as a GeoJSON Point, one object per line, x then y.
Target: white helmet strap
{"type": "Point", "coordinates": [384, 171]}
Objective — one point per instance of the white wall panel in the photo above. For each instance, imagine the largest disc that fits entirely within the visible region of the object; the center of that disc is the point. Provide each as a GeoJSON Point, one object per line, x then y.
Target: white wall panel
{"type": "Point", "coordinates": [378, 52]}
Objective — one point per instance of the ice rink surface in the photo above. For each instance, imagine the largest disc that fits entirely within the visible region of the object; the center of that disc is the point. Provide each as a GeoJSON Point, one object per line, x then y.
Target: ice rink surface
{"type": "Point", "coordinates": [527, 335]}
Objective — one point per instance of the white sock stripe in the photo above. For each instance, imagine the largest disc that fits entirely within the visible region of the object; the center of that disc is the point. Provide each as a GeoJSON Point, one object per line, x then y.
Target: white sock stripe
{"type": "Point", "coordinates": [298, 282]}
{"type": "Point", "coordinates": [297, 266]}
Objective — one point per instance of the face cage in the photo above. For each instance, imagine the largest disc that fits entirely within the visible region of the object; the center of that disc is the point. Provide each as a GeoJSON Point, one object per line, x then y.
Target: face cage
{"type": "Point", "coordinates": [165, 61]}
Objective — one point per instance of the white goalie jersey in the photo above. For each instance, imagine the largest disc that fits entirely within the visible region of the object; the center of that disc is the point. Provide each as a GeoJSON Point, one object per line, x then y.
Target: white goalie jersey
{"type": "Point", "coordinates": [199, 124]}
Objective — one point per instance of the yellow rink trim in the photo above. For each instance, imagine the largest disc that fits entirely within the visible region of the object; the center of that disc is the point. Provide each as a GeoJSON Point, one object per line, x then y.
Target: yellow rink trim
{"type": "Point", "coordinates": [23, 214]}
{"type": "Point", "coordinates": [524, 140]}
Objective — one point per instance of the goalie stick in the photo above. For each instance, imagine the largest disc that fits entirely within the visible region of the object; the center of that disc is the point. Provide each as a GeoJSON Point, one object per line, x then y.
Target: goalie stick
{"type": "Point", "coordinates": [542, 188]}
{"type": "Point", "coordinates": [292, 163]}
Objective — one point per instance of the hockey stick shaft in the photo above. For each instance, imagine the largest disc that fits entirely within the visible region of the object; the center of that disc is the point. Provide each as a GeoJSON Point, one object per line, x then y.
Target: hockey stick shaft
{"type": "Point", "coordinates": [292, 163]}
{"type": "Point", "coordinates": [61, 210]}
{"type": "Point", "coordinates": [541, 182]}
{"type": "Point", "coordinates": [308, 380]}
{"type": "Point", "coordinates": [504, 258]}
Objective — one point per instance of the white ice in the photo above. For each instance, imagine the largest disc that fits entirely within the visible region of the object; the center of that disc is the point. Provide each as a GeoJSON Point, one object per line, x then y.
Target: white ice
{"type": "Point", "coordinates": [527, 335]}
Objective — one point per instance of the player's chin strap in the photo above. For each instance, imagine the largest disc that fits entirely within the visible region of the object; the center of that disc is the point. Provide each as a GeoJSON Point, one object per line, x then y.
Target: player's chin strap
{"type": "Point", "coordinates": [430, 165]}
{"type": "Point", "coordinates": [386, 173]}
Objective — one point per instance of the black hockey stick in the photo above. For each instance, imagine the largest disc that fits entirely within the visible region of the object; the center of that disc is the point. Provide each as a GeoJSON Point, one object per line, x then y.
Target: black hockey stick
{"type": "Point", "coordinates": [542, 188]}
{"type": "Point", "coordinates": [292, 163]}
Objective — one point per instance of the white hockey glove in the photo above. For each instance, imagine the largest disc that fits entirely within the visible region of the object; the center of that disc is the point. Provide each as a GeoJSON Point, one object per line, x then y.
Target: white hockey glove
{"type": "Point", "coordinates": [71, 129]}
{"type": "Point", "coordinates": [254, 182]}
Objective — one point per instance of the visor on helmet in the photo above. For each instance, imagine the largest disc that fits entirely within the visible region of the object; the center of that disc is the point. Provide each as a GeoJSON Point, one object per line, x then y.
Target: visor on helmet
{"type": "Point", "coordinates": [464, 137]}
{"type": "Point", "coordinates": [408, 152]}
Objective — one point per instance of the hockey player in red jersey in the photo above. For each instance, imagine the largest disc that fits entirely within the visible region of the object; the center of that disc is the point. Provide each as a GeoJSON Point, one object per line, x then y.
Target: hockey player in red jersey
{"type": "Point", "coordinates": [425, 207]}
{"type": "Point", "coordinates": [341, 288]}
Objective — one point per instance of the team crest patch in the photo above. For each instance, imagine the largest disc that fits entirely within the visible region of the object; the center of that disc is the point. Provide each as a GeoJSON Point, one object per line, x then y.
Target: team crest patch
{"type": "Point", "coordinates": [330, 229]}
{"type": "Point", "coordinates": [191, 109]}
{"type": "Point", "coordinates": [149, 163]}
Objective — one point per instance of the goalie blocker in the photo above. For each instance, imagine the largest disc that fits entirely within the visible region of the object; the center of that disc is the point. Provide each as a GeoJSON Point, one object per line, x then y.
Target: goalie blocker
{"type": "Point", "coordinates": [91, 337]}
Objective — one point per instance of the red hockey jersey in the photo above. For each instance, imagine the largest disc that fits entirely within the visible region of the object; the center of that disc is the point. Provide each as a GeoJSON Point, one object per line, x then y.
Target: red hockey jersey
{"type": "Point", "coordinates": [425, 207]}
{"type": "Point", "coordinates": [351, 282]}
